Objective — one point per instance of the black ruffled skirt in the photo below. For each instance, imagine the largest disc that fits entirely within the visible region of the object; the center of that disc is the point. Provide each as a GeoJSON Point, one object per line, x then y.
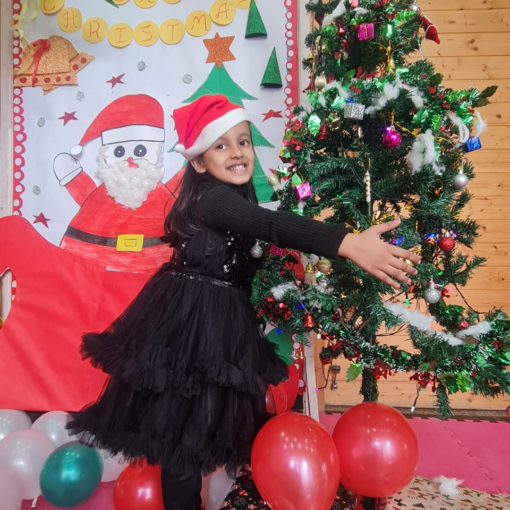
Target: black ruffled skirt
{"type": "Point", "coordinates": [189, 369]}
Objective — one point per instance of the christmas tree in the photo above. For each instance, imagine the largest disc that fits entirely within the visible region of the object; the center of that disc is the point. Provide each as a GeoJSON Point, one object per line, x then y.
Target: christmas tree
{"type": "Point", "coordinates": [381, 139]}
{"type": "Point", "coordinates": [220, 82]}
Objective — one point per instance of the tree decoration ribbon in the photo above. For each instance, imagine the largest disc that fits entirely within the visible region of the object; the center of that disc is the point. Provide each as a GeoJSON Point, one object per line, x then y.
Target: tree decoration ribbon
{"type": "Point", "coordinates": [29, 9]}
{"type": "Point", "coordinates": [42, 45]}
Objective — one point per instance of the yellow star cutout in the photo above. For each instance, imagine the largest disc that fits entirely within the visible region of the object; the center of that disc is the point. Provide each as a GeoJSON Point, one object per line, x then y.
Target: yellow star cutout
{"type": "Point", "coordinates": [219, 49]}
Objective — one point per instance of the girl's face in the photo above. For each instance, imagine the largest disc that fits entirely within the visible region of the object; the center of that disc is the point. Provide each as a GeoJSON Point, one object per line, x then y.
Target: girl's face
{"type": "Point", "coordinates": [231, 158]}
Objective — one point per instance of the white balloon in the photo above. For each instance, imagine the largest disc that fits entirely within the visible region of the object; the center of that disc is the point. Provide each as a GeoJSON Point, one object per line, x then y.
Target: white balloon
{"type": "Point", "coordinates": [52, 425]}
{"type": "Point", "coordinates": [112, 466]}
{"type": "Point", "coordinates": [219, 486]}
{"type": "Point", "coordinates": [10, 491]}
{"type": "Point", "coordinates": [23, 453]}
{"type": "Point", "coordinates": [11, 420]}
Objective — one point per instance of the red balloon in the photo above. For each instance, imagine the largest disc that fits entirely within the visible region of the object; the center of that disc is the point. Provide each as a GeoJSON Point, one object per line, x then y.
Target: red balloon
{"type": "Point", "coordinates": [138, 488]}
{"type": "Point", "coordinates": [295, 464]}
{"type": "Point", "coordinates": [279, 398]}
{"type": "Point", "coordinates": [377, 448]}
{"type": "Point", "coordinates": [291, 385]}
{"type": "Point", "coordinates": [270, 405]}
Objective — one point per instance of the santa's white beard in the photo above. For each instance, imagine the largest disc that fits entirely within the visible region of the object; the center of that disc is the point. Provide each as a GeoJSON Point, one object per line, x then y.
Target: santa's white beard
{"type": "Point", "coordinates": [129, 187]}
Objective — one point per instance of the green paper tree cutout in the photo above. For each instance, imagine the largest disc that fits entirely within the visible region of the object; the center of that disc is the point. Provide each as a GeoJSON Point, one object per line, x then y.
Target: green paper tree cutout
{"type": "Point", "coordinates": [255, 27]}
{"type": "Point", "coordinates": [272, 77]}
{"type": "Point", "coordinates": [220, 82]}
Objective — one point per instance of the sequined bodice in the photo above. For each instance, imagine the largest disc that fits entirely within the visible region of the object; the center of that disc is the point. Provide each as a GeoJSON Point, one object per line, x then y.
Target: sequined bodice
{"type": "Point", "coordinates": [220, 255]}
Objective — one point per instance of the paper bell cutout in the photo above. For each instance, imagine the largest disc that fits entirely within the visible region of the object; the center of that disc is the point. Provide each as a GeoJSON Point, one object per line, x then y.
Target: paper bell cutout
{"type": "Point", "coordinates": [255, 27]}
{"type": "Point", "coordinates": [272, 77]}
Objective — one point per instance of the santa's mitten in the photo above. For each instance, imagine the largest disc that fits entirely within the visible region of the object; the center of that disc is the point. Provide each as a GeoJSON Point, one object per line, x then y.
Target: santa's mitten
{"type": "Point", "coordinates": [431, 32]}
{"type": "Point", "coordinates": [66, 168]}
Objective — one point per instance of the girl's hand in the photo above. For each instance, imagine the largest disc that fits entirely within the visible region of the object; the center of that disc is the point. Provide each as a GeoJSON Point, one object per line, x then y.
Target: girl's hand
{"type": "Point", "coordinates": [378, 258]}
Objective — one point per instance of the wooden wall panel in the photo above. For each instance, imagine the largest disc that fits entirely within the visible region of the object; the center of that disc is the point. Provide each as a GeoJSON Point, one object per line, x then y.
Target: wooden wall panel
{"type": "Point", "coordinates": [474, 51]}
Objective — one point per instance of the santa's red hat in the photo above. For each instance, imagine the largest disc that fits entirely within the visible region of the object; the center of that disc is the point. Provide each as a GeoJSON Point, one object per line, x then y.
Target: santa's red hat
{"type": "Point", "coordinates": [202, 122]}
{"type": "Point", "coordinates": [129, 118]}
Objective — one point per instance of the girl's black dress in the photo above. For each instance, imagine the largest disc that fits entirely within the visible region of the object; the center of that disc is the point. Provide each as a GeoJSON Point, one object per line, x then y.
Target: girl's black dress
{"type": "Point", "coordinates": [189, 366]}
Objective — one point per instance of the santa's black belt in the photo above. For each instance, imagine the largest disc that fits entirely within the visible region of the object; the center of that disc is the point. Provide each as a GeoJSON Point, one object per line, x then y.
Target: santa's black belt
{"type": "Point", "coordinates": [123, 242]}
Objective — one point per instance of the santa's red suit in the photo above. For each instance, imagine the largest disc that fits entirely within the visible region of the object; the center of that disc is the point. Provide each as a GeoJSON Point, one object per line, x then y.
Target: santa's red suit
{"type": "Point", "coordinates": [115, 236]}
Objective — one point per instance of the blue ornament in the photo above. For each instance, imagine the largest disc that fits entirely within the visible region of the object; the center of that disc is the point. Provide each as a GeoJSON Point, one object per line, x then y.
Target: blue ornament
{"type": "Point", "coordinates": [473, 144]}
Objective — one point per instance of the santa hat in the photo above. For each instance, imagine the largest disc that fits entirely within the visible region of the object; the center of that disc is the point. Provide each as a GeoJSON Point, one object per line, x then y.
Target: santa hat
{"type": "Point", "coordinates": [202, 122]}
{"type": "Point", "coordinates": [129, 118]}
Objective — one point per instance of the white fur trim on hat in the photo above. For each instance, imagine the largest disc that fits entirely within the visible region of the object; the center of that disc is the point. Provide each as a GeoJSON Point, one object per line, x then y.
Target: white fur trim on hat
{"type": "Point", "coordinates": [133, 133]}
{"type": "Point", "coordinates": [213, 131]}
{"type": "Point", "coordinates": [76, 150]}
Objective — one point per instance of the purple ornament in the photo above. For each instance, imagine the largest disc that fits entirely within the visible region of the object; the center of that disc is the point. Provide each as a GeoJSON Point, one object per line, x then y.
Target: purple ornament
{"type": "Point", "coordinates": [303, 191]}
{"type": "Point", "coordinates": [391, 138]}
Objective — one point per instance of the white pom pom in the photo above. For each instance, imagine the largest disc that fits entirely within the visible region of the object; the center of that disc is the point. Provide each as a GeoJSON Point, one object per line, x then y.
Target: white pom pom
{"type": "Point", "coordinates": [448, 486]}
{"type": "Point", "coordinates": [76, 150]}
{"type": "Point", "coordinates": [179, 148]}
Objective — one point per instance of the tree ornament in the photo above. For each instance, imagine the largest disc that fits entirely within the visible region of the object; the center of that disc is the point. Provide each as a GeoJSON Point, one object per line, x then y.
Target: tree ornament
{"type": "Point", "coordinates": [302, 191]}
{"type": "Point", "coordinates": [390, 65]}
{"type": "Point", "coordinates": [323, 133]}
{"type": "Point", "coordinates": [335, 122]}
{"type": "Point", "coordinates": [391, 138]}
{"type": "Point", "coordinates": [473, 144]}
{"type": "Point", "coordinates": [368, 188]}
{"type": "Point", "coordinates": [446, 243]}
{"type": "Point", "coordinates": [256, 251]}
{"type": "Point", "coordinates": [432, 295]}
{"type": "Point", "coordinates": [431, 32]}
{"type": "Point", "coordinates": [461, 180]}
{"type": "Point", "coordinates": [320, 82]}
{"type": "Point", "coordinates": [324, 265]}
{"type": "Point", "coordinates": [255, 27]}
{"type": "Point", "coordinates": [416, 8]}
{"type": "Point", "coordinates": [309, 322]}
{"type": "Point", "coordinates": [273, 180]}
{"type": "Point", "coordinates": [309, 268]}
{"type": "Point", "coordinates": [366, 31]}
{"type": "Point", "coordinates": [272, 77]}
{"type": "Point", "coordinates": [354, 111]}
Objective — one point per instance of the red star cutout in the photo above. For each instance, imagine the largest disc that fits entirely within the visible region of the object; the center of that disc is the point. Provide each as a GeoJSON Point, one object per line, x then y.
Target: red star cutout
{"type": "Point", "coordinates": [219, 49]}
{"type": "Point", "coordinates": [116, 80]}
{"type": "Point", "coordinates": [270, 114]}
{"type": "Point", "coordinates": [67, 117]}
{"type": "Point", "coordinates": [41, 219]}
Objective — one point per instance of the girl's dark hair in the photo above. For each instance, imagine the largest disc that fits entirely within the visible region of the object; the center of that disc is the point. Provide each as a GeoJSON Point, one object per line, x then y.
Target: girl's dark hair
{"type": "Point", "coordinates": [182, 221]}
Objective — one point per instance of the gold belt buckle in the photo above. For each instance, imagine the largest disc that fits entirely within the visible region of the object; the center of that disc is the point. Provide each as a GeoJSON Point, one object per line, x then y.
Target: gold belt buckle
{"type": "Point", "coordinates": [130, 242]}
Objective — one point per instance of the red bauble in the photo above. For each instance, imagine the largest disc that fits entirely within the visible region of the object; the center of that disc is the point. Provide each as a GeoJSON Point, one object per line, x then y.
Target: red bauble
{"type": "Point", "coordinates": [446, 244]}
{"type": "Point", "coordinates": [377, 449]}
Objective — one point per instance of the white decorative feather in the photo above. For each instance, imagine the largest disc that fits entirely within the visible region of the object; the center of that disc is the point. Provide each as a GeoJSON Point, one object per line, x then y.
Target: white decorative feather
{"type": "Point", "coordinates": [280, 290]}
{"type": "Point", "coordinates": [345, 93]}
{"type": "Point", "coordinates": [448, 486]}
{"type": "Point", "coordinates": [482, 328]}
{"type": "Point", "coordinates": [389, 92]}
{"type": "Point", "coordinates": [417, 319]}
{"type": "Point", "coordinates": [302, 115]}
{"type": "Point", "coordinates": [339, 11]}
{"type": "Point", "coordinates": [422, 153]}
{"type": "Point", "coordinates": [463, 129]}
{"type": "Point", "coordinates": [322, 100]}
{"type": "Point", "coordinates": [416, 97]}
{"type": "Point", "coordinates": [480, 124]}
{"type": "Point", "coordinates": [360, 10]}
{"type": "Point", "coordinates": [451, 339]}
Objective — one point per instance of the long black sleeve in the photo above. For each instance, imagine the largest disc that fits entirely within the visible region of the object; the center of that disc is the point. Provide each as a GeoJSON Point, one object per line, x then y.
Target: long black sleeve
{"type": "Point", "coordinates": [223, 208]}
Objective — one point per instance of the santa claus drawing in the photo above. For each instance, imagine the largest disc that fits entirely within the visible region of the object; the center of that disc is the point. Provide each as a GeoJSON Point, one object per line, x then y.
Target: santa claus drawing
{"type": "Point", "coordinates": [120, 222]}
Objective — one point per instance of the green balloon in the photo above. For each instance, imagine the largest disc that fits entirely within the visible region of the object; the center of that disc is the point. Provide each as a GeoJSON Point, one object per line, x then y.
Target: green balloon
{"type": "Point", "coordinates": [71, 474]}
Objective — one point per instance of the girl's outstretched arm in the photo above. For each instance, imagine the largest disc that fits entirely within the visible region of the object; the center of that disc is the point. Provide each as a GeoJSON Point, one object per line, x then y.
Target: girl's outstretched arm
{"type": "Point", "coordinates": [224, 209]}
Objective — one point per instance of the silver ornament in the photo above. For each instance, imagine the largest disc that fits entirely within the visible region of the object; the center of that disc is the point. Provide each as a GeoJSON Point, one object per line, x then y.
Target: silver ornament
{"type": "Point", "coordinates": [36, 190]}
{"type": "Point", "coordinates": [80, 96]}
{"type": "Point", "coordinates": [256, 252]}
{"type": "Point", "coordinates": [187, 78]}
{"type": "Point", "coordinates": [273, 180]}
{"type": "Point", "coordinates": [432, 295]}
{"type": "Point", "coordinates": [41, 122]}
{"type": "Point", "coordinates": [416, 8]}
{"type": "Point", "coordinates": [461, 180]}
{"type": "Point", "coordinates": [320, 82]}
{"type": "Point", "coordinates": [141, 65]}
